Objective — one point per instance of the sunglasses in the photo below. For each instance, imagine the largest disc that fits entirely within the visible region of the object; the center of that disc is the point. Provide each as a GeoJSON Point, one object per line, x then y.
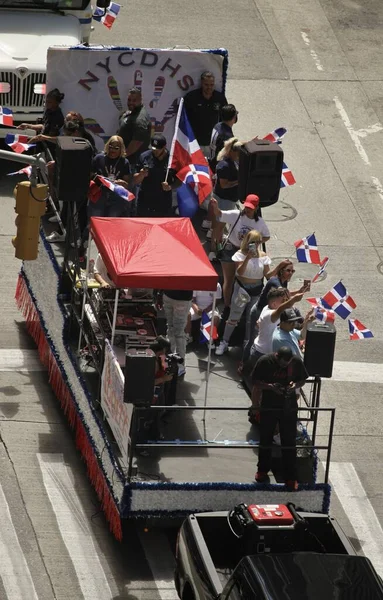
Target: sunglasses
{"type": "Point", "coordinates": [114, 147]}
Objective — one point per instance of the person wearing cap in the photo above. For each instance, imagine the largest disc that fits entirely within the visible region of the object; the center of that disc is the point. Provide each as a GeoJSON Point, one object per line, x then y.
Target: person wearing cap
{"type": "Point", "coordinates": [155, 193]}
{"type": "Point", "coordinates": [287, 335]}
{"type": "Point", "coordinates": [276, 378]}
{"type": "Point", "coordinates": [240, 222]}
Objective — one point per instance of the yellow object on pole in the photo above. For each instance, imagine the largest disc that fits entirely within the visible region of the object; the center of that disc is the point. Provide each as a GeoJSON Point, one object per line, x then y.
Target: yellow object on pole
{"type": "Point", "coordinates": [30, 207]}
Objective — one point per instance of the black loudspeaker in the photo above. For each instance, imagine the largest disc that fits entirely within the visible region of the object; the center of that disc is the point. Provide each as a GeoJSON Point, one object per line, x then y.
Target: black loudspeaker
{"type": "Point", "coordinates": [320, 348]}
{"type": "Point", "coordinates": [140, 367]}
{"type": "Point", "coordinates": [73, 165]}
{"type": "Point", "coordinates": [260, 170]}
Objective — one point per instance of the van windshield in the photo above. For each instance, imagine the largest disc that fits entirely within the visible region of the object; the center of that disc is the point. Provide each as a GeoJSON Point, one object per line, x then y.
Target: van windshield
{"type": "Point", "coordinates": [46, 4]}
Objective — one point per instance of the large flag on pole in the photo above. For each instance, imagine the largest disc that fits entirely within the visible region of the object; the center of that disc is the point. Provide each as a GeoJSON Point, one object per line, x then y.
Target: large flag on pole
{"type": "Point", "coordinates": [188, 161]}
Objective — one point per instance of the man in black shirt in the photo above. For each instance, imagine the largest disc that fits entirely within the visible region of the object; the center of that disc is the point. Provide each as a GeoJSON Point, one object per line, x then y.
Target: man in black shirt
{"type": "Point", "coordinates": [222, 131]}
{"type": "Point", "coordinates": [203, 108]}
{"type": "Point", "coordinates": [135, 127]}
{"type": "Point", "coordinates": [155, 195]}
{"type": "Point", "coordinates": [276, 377]}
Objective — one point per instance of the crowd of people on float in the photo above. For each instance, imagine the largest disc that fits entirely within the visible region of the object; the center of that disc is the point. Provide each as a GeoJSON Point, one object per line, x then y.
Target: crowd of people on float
{"type": "Point", "coordinates": [236, 234]}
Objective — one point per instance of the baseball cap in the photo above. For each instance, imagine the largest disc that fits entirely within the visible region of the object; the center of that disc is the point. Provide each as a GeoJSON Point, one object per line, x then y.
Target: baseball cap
{"type": "Point", "coordinates": [289, 315]}
{"type": "Point", "coordinates": [251, 201]}
{"type": "Point", "coordinates": [158, 141]}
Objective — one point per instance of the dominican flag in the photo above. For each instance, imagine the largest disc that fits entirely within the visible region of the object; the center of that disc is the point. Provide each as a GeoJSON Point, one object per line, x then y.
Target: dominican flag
{"type": "Point", "coordinates": [184, 153]}
{"type": "Point", "coordinates": [323, 266]}
{"type": "Point", "coordinates": [339, 300]}
{"type": "Point", "coordinates": [108, 16]}
{"type": "Point", "coordinates": [6, 116]}
{"type": "Point", "coordinates": [287, 178]}
{"type": "Point", "coordinates": [25, 171]}
{"type": "Point", "coordinates": [276, 135]}
{"type": "Point", "coordinates": [317, 302]}
{"type": "Point", "coordinates": [117, 189]}
{"type": "Point", "coordinates": [185, 149]}
{"type": "Point", "coordinates": [326, 316]}
{"type": "Point", "coordinates": [18, 143]}
{"type": "Point", "coordinates": [197, 177]}
{"type": "Point", "coordinates": [358, 331]}
{"type": "Point", "coordinates": [206, 329]}
{"type": "Point", "coordinates": [307, 250]}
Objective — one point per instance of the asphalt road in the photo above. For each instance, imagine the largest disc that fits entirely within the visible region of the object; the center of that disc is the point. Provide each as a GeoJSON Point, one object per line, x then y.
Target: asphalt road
{"type": "Point", "coordinates": [317, 69]}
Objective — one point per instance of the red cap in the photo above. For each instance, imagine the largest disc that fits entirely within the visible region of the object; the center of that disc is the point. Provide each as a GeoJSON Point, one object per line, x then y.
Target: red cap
{"type": "Point", "coordinates": [251, 201]}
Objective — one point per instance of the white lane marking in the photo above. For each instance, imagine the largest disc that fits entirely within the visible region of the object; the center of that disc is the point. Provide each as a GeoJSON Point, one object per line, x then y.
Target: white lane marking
{"type": "Point", "coordinates": [313, 54]}
{"type": "Point", "coordinates": [378, 186]}
{"type": "Point", "coordinates": [353, 134]}
{"type": "Point", "coordinates": [73, 525]}
{"type": "Point", "coordinates": [357, 506]}
{"type": "Point", "coordinates": [20, 360]}
{"type": "Point", "coordinates": [161, 562]}
{"type": "Point", "coordinates": [14, 571]}
{"type": "Point", "coordinates": [357, 372]}
{"type": "Point", "coordinates": [375, 128]}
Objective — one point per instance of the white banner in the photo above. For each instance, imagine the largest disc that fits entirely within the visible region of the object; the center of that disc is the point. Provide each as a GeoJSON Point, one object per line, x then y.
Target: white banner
{"type": "Point", "coordinates": [96, 82]}
{"type": "Point", "coordinates": [117, 412]}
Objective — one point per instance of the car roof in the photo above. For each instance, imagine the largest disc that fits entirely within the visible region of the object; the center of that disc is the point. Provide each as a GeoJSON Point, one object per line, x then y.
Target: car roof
{"type": "Point", "coordinates": [314, 576]}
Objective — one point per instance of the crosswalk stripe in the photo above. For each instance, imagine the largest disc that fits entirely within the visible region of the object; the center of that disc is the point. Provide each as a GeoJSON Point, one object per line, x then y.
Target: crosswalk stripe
{"type": "Point", "coordinates": [359, 510]}
{"type": "Point", "coordinates": [357, 372]}
{"type": "Point", "coordinates": [14, 571]}
{"type": "Point", "coordinates": [161, 562]}
{"type": "Point", "coordinates": [73, 526]}
{"type": "Point", "coordinates": [12, 359]}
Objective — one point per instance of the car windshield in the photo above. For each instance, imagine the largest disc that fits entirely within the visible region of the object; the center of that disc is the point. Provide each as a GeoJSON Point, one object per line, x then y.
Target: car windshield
{"type": "Point", "coordinates": [45, 4]}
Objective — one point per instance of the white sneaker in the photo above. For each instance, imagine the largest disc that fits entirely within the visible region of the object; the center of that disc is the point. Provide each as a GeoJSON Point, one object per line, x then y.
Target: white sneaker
{"type": "Point", "coordinates": [181, 370]}
{"type": "Point", "coordinates": [208, 235]}
{"type": "Point", "coordinates": [55, 237]}
{"type": "Point", "coordinates": [53, 219]}
{"type": "Point", "coordinates": [206, 224]}
{"type": "Point", "coordinates": [221, 349]}
{"type": "Point", "coordinates": [212, 256]}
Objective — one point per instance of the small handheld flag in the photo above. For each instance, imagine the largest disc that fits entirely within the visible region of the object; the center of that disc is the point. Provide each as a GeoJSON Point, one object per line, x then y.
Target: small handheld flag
{"type": "Point", "coordinates": [206, 329]}
{"type": "Point", "coordinates": [322, 269]}
{"type": "Point", "coordinates": [108, 16]}
{"type": "Point", "coordinates": [287, 178]}
{"type": "Point", "coordinates": [326, 316]}
{"type": "Point", "coordinates": [24, 171]}
{"type": "Point", "coordinates": [307, 250]}
{"type": "Point", "coordinates": [358, 331]}
{"type": "Point", "coordinates": [276, 135]}
{"type": "Point", "coordinates": [317, 302]}
{"type": "Point", "coordinates": [116, 189]}
{"type": "Point", "coordinates": [18, 143]}
{"type": "Point", "coordinates": [339, 300]}
{"type": "Point", "coordinates": [6, 116]}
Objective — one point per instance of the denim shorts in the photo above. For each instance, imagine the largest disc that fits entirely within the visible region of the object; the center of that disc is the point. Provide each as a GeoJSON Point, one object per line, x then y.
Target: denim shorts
{"type": "Point", "coordinates": [224, 204]}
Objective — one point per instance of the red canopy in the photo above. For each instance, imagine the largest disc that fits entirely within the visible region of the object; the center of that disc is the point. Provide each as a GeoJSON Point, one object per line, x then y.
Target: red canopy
{"type": "Point", "coordinates": [153, 253]}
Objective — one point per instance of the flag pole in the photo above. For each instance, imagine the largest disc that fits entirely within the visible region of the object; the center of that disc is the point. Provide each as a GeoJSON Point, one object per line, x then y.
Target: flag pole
{"type": "Point", "coordinates": [210, 349]}
{"type": "Point", "coordinates": [180, 107]}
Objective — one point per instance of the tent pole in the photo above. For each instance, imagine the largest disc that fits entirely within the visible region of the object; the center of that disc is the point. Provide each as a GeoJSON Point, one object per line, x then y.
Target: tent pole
{"type": "Point", "coordinates": [84, 286]}
{"type": "Point", "coordinates": [209, 353]}
{"type": "Point", "coordinates": [114, 316]}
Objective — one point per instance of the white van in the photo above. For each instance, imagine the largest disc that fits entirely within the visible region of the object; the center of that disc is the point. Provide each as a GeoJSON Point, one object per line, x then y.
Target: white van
{"type": "Point", "coordinates": [27, 29]}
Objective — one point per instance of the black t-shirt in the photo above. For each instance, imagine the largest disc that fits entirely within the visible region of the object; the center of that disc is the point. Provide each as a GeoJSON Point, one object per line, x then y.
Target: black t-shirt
{"type": "Point", "coordinates": [268, 370]}
{"type": "Point", "coordinates": [113, 169]}
{"type": "Point", "coordinates": [179, 294]}
{"type": "Point", "coordinates": [136, 125]}
{"type": "Point", "coordinates": [203, 114]}
{"type": "Point", "coordinates": [226, 169]}
{"type": "Point", "coordinates": [221, 132]}
{"type": "Point", "coordinates": [273, 282]}
{"type": "Point", "coordinates": [52, 121]}
{"type": "Point", "coordinates": [151, 193]}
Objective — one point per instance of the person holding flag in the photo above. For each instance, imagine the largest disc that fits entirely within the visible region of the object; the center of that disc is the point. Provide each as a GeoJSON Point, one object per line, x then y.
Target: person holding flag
{"type": "Point", "coordinates": [155, 179]}
{"type": "Point", "coordinates": [202, 302]}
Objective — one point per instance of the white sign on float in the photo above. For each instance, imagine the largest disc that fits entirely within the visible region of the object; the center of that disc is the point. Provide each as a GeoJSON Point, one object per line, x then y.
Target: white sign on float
{"type": "Point", "coordinates": [96, 82]}
{"type": "Point", "coordinates": [117, 412]}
